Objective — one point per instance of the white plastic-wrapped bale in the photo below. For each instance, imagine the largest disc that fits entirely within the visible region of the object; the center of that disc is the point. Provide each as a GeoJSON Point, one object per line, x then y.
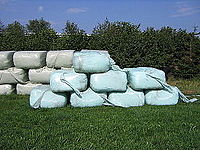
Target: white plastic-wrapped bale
{"type": "Point", "coordinates": [109, 82]}
{"type": "Point", "coordinates": [145, 78]}
{"type": "Point", "coordinates": [6, 89]}
{"type": "Point", "coordinates": [25, 89]}
{"type": "Point", "coordinates": [13, 76]}
{"type": "Point", "coordinates": [67, 81]}
{"type": "Point", "coordinates": [6, 59]}
{"type": "Point", "coordinates": [41, 75]}
{"type": "Point", "coordinates": [162, 97]}
{"type": "Point", "coordinates": [91, 62]}
{"type": "Point", "coordinates": [129, 98]}
{"type": "Point", "coordinates": [58, 59]}
{"type": "Point", "coordinates": [30, 59]}
{"type": "Point", "coordinates": [88, 98]}
{"type": "Point", "coordinates": [43, 97]}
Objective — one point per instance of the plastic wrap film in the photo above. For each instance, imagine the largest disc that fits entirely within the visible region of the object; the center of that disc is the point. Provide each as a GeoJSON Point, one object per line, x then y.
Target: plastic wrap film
{"type": "Point", "coordinates": [58, 59]}
{"type": "Point", "coordinates": [129, 98]}
{"type": "Point", "coordinates": [6, 89]}
{"type": "Point", "coordinates": [43, 97]}
{"type": "Point", "coordinates": [6, 59]}
{"type": "Point", "coordinates": [88, 98]}
{"type": "Point", "coordinates": [139, 78]}
{"type": "Point", "coordinates": [72, 80]}
{"type": "Point", "coordinates": [91, 62]}
{"type": "Point", "coordinates": [109, 82]}
{"type": "Point", "coordinates": [25, 89]}
{"type": "Point", "coordinates": [41, 75]}
{"type": "Point", "coordinates": [13, 76]}
{"type": "Point", "coordinates": [162, 97]}
{"type": "Point", "coordinates": [29, 59]}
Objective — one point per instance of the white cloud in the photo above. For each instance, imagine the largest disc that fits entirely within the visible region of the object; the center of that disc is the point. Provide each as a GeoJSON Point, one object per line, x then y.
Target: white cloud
{"type": "Point", "coordinates": [184, 9]}
{"type": "Point", "coordinates": [40, 8]}
{"type": "Point", "coordinates": [76, 10]}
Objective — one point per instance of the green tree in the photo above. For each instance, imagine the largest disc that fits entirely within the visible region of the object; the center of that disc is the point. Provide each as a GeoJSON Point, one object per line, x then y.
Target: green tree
{"type": "Point", "coordinates": [72, 28]}
{"type": "Point", "coordinates": [2, 27]}
{"type": "Point", "coordinates": [37, 25]}
{"type": "Point", "coordinates": [44, 40]}
{"type": "Point", "coordinates": [122, 39]}
{"type": "Point", "coordinates": [13, 37]}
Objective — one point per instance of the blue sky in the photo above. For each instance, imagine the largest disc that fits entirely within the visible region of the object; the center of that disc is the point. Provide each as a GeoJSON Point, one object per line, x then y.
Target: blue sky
{"type": "Point", "coordinates": [183, 14]}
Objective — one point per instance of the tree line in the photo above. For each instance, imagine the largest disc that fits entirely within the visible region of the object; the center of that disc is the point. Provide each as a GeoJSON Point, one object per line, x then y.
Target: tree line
{"type": "Point", "coordinates": [127, 44]}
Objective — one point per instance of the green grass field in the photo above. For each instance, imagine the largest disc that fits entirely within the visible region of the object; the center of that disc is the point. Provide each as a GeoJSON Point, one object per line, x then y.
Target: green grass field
{"type": "Point", "coordinates": [146, 127]}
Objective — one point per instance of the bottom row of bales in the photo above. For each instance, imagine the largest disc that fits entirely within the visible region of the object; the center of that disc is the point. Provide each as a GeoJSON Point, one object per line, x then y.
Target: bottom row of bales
{"type": "Point", "coordinates": [127, 88]}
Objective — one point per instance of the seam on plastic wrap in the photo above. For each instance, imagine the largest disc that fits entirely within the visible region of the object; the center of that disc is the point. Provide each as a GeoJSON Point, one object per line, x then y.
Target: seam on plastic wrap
{"type": "Point", "coordinates": [1, 76]}
{"type": "Point", "coordinates": [17, 79]}
{"type": "Point", "coordinates": [37, 104]}
{"type": "Point", "coordinates": [169, 88]}
{"type": "Point", "coordinates": [54, 60]}
{"type": "Point", "coordinates": [107, 100]}
{"type": "Point", "coordinates": [62, 79]}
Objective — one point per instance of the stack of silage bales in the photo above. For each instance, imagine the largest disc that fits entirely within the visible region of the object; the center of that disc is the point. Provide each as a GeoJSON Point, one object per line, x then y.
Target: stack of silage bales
{"type": "Point", "coordinates": [23, 70]}
{"type": "Point", "coordinates": [40, 64]}
{"type": "Point", "coordinates": [95, 80]}
{"type": "Point", "coordinates": [92, 82]}
{"type": "Point", "coordinates": [9, 75]}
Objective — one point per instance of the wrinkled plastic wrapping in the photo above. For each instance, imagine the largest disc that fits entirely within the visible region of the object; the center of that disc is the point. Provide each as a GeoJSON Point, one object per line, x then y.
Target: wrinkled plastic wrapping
{"type": "Point", "coordinates": [29, 59]}
{"type": "Point", "coordinates": [90, 62]}
{"type": "Point", "coordinates": [72, 80]}
{"type": "Point", "coordinates": [13, 76]}
{"type": "Point", "coordinates": [109, 81]}
{"type": "Point", "coordinates": [162, 97]}
{"type": "Point", "coordinates": [88, 98]}
{"type": "Point", "coordinates": [41, 75]}
{"type": "Point", "coordinates": [129, 98]}
{"type": "Point", "coordinates": [6, 89]}
{"type": "Point", "coordinates": [139, 78]}
{"type": "Point", "coordinates": [25, 89]}
{"type": "Point", "coordinates": [58, 59]}
{"type": "Point", "coordinates": [6, 59]}
{"type": "Point", "coordinates": [43, 97]}
{"type": "Point", "coordinates": [104, 52]}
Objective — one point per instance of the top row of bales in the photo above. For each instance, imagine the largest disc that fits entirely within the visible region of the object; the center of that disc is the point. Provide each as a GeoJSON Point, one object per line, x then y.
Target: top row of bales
{"type": "Point", "coordinates": [36, 59]}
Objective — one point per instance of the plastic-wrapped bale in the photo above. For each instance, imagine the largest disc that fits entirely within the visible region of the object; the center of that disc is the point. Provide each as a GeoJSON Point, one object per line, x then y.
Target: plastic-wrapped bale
{"type": "Point", "coordinates": [13, 76]}
{"type": "Point", "coordinates": [30, 59]}
{"type": "Point", "coordinates": [68, 80]}
{"type": "Point", "coordinates": [6, 89]}
{"type": "Point", "coordinates": [25, 89]}
{"type": "Point", "coordinates": [129, 98]}
{"type": "Point", "coordinates": [88, 98]}
{"type": "Point", "coordinates": [144, 78]}
{"type": "Point", "coordinates": [41, 75]}
{"type": "Point", "coordinates": [58, 59]}
{"type": "Point", "coordinates": [43, 97]}
{"type": "Point", "coordinates": [6, 59]}
{"type": "Point", "coordinates": [162, 97]}
{"type": "Point", "coordinates": [93, 62]}
{"type": "Point", "coordinates": [109, 82]}
{"type": "Point", "coordinates": [104, 52]}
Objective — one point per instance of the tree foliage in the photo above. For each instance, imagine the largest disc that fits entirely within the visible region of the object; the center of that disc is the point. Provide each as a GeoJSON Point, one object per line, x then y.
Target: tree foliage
{"type": "Point", "coordinates": [13, 37]}
{"type": "Point", "coordinates": [72, 28]}
{"type": "Point", "coordinates": [37, 25]}
{"type": "Point", "coordinates": [127, 44]}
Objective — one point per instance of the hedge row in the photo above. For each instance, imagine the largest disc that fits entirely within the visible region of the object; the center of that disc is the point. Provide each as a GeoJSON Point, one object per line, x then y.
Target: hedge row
{"type": "Point", "coordinates": [177, 50]}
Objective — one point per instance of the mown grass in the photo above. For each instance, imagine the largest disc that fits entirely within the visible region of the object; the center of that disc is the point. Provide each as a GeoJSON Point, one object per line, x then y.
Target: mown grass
{"type": "Point", "coordinates": [147, 127]}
